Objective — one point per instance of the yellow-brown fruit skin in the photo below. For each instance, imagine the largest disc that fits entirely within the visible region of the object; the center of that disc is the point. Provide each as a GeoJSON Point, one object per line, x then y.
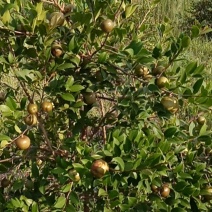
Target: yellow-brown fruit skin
{"type": "Point", "coordinates": [23, 142]}
{"type": "Point", "coordinates": [208, 197]}
{"type": "Point", "coordinates": [141, 71]}
{"type": "Point", "coordinates": [170, 104]}
{"type": "Point", "coordinates": [99, 168]}
{"type": "Point", "coordinates": [32, 108]}
{"type": "Point", "coordinates": [107, 25]}
{"type": "Point", "coordinates": [56, 50]}
{"type": "Point", "coordinates": [201, 120]}
{"type": "Point", "coordinates": [31, 120]}
{"type": "Point", "coordinates": [165, 191]}
{"type": "Point", "coordinates": [74, 175]}
{"type": "Point", "coordinates": [162, 82]}
{"type": "Point", "coordinates": [47, 106]}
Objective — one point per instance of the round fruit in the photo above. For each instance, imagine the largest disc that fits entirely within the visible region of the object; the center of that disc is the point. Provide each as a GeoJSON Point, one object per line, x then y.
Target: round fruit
{"type": "Point", "coordinates": [158, 70]}
{"type": "Point", "coordinates": [161, 82]}
{"type": "Point", "coordinates": [89, 98]}
{"type": "Point", "coordinates": [47, 106]}
{"type": "Point", "coordinates": [154, 188]}
{"type": "Point", "coordinates": [2, 96]}
{"type": "Point", "coordinates": [57, 19]}
{"type": "Point", "coordinates": [5, 183]}
{"type": "Point", "coordinates": [31, 120]}
{"type": "Point", "coordinates": [141, 70]}
{"type": "Point", "coordinates": [170, 104]}
{"type": "Point", "coordinates": [165, 191]}
{"type": "Point", "coordinates": [147, 77]}
{"type": "Point", "coordinates": [56, 50]}
{"type": "Point", "coordinates": [29, 184]}
{"type": "Point", "coordinates": [32, 108]}
{"type": "Point", "coordinates": [208, 193]}
{"type": "Point", "coordinates": [22, 142]}
{"type": "Point", "coordinates": [99, 168]}
{"type": "Point", "coordinates": [107, 25]}
{"type": "Point", "coordinates": [201, 120]}
{"type": "Point", "coordinates": [74, 175]}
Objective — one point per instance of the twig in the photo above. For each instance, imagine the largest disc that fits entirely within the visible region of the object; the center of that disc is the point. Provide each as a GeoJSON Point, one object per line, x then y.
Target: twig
{"type": "Point", "coordinates": [103, 115]}
{"type": "Point", "coordinates": [41, 126]}
{"type": "Point", "coordinates": [117, 11]}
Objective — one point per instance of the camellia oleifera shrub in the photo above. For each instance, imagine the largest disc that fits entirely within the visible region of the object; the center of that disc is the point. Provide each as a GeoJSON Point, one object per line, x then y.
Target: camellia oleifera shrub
{"type": "Point", "coordinates": [200, 12]}
{"type": "Point", "coordinates": [96, 112]}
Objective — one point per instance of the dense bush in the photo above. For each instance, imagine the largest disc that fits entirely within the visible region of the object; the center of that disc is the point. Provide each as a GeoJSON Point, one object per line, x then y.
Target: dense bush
{"type": "Point", "coordinates": [98, 114]}
{"type": "Point", "coordinates": [201, 13]}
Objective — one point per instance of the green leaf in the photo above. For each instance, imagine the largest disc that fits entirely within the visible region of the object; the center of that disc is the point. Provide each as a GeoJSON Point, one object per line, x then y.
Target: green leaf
{"type": "Point", "coordinates": [72, 44]}
{"type": "Point", "coordinates": [76, 88]}
{"type": "Point", "coordinates": [10, 57]}
{"type": "Point", "coordinates": [197, 85]}
{"type": "Point", "coordinates": [66, 66]}
{"type": "Point", "coordinates": [35, 171]}
{"type": "Point", "coordinates": [102, 57]}
{"type": "Point", "coordinates": [120, 162]}
{"type": "Point", "coordinates": [69, 82]}
{"type": "Point", "coordinates": [35, 207]}
{"type": "Point", "coordinates": [102, 192]}
{"type": "Point", "coordinates": [11, 103]}
{"type": "Point", "coordinates": [4, 137]}
{"type": "Point", "coordinates": [60, 203]}
{"type": "Point", "coordinates": [170, 132]}
{"type": "Point", "coordinates": [186, 40]}
{"type": "Point", "coordinates": [68, 97]}
{"type": "Point", "coordinates": [66, 188]}
{"type": "Point", "coordinates": [6, 111]}
{"type": "Point", "coordinates": [190, 68]}
{"type": "Point", "coordinates": [74, 198]}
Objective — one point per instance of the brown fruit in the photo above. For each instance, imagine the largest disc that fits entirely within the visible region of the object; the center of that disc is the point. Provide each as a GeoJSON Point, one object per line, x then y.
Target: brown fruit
{"type": "Point", "coordinates": [56, 50]}
{"type": "Point", "coordinates": [154, 188]}
{"type": "Point", "coordinates": [47, 106]}
{"type": "Point", "coordinates": [89, 98]}
{"type": "Point", "coordinates": [31, 120]}
{"type": "Point", "coordinates": [2, 96]}
{"type": "Point", "coordinates": [170, 104]}
{"type": "Point", "coordinates": [99, 168]}
{"type": "Point", "coordinates": [23, 142]}
{"type": "Point", "coordinates": [107, 25]}
{"type": "Point", "coordinates": [201, 120]}
{"type": "Point", "coordinates": [141, 71]}
{"type": "Point", "coordinates": [74, 175]}
{"type": "Point", "coordinates": [158, 70]}
{"type": "Point", "coordinates": [57, 19]}
{"type": "Point", "coordinates": [162, 82]}
{"type": "Point", "coordinates": [32, 108]}
{"type": "Point", "coordinates": [165, 191]}
{"type": "Point", "coordinates": [5, 183]}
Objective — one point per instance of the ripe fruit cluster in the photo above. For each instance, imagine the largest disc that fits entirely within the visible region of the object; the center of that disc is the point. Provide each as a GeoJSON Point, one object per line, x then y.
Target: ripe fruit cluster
{"type": "Point", "coordinates": [164, 190]}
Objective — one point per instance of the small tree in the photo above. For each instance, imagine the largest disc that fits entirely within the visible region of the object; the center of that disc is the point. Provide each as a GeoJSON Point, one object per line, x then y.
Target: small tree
{"type": "Point", "coordinates": [99, 115]}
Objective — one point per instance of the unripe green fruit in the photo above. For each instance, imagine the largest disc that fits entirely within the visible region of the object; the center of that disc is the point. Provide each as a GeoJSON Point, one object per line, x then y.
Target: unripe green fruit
{"type": "Point", "coordinates": [161, 82]}
{"type": "Point", "coordinates": [74, 175]}
{"type": "Point", "coordinates": [89, 98]}
{"type": "Point", "coordinates": [141, 71]}
{"type": "Point", "coordinates": [57, 19]}
{"type": "Point", "coordinates": [158, 70]}
{"type": "Point", "coordinates": [107, 25]}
